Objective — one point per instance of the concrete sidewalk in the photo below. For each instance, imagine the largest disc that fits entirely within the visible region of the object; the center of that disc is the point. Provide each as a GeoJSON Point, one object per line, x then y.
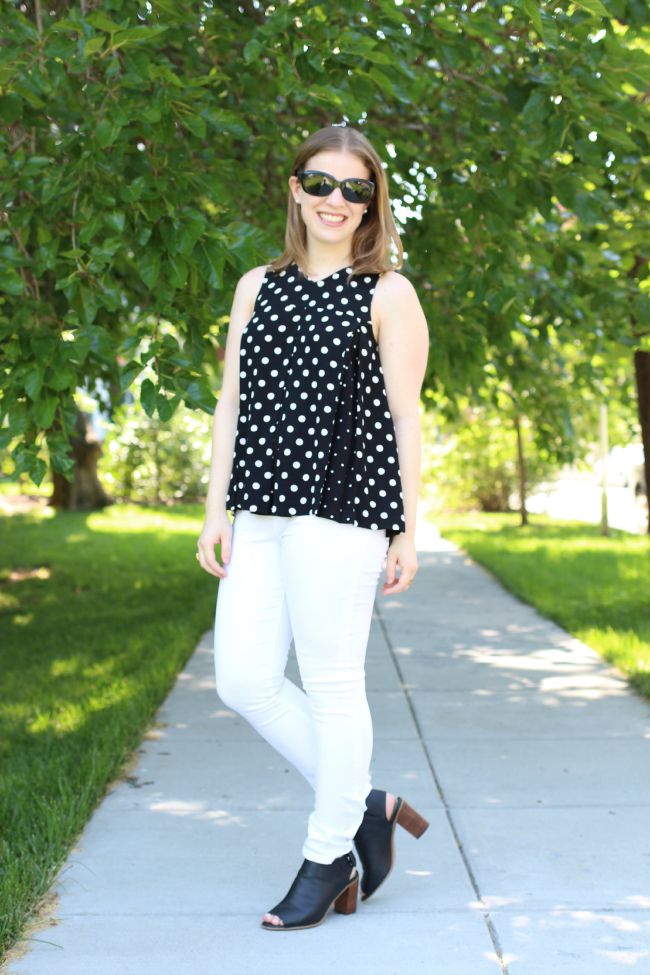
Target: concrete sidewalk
{"type": "Point", "coordinates": [529, 756]}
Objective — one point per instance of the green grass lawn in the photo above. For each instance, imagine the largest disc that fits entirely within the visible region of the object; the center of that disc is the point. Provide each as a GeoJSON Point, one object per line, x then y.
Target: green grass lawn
{"type": "Point", "coordinates": [98, 613]}
{"type": "Point", "coordinates": [597, 587]}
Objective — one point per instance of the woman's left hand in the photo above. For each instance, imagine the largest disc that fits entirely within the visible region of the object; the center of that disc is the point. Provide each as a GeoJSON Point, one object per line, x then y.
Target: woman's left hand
{"type": "Point", "coordinates": [401, 551]}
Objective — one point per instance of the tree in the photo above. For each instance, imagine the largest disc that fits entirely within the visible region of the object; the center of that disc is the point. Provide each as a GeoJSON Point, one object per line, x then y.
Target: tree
{"type": "Point", "coordinates": [145, 157]}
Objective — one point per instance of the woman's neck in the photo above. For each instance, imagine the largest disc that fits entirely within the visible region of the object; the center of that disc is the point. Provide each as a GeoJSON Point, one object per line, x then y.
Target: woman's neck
{"type": "Point", "coordinates": [320, 267]}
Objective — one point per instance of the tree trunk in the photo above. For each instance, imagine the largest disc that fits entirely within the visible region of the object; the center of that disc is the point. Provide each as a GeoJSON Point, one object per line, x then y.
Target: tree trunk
{"type": "Point", "coordinates": [521, 468]}
{"type": "Point", "coordinates": [84, 492]}
{"type": "Point", "coordinates": [642, 370]}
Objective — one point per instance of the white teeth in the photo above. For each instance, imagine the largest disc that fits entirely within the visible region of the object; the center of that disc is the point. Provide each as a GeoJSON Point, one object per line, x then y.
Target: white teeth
{"type": "Point", "coordinates": [330, 219]}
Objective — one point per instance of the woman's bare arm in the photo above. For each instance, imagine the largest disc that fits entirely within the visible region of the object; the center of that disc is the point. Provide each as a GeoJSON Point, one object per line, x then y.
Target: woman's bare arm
{"type": "Point", "coordinates": [403, 352]}
{"type": "Point", "coordinates": [217, 526]}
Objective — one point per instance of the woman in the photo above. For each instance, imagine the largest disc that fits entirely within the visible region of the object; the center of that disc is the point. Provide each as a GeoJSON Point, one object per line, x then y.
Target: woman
{"type": "Point", "coordinates": [325, 357]}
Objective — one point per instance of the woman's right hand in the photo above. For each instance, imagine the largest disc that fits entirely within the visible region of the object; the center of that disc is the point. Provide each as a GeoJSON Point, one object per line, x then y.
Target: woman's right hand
{"type": "Point", "coordinates": [217, 530]}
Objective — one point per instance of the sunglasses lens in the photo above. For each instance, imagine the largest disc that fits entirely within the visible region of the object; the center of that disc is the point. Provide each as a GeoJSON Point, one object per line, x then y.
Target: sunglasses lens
{"type": "Point", "coordinates": [317, 184]}
{"type": "Point", "coordinates": [360, 192]}
{"type": "Point", "coordinates": [357, 191]}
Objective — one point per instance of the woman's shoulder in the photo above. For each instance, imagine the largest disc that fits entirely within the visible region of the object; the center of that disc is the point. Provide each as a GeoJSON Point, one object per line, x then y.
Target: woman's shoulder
{"type": "Point", "coordinates": [253, 277]}
{"type": "Point", "coordinates": [394, 285]}
{"type": "Point", "coordinates": [392, 274]}
{"type": "Point", "coordinates": [249, 284]}
{"type": "Point", "coordinates": [247, 289]}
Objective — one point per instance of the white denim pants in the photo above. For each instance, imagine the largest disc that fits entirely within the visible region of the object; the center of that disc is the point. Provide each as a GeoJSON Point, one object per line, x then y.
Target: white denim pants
{"type": "Point", "coordinates": [313, 579]}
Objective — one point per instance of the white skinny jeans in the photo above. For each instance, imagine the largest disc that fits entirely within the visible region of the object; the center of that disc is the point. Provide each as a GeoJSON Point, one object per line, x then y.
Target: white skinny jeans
{"type": "Point", "coordinates": [313, 579]}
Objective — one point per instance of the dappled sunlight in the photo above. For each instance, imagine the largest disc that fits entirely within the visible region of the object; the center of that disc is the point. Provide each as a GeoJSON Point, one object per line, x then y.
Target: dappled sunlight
{"type": "Point", "coordinates": [637, 901]}
{"type": "Point", "coordinates": [130, 518]}
{"type": "Point", "coordinates": [63, 668]}
{"type": "Point", "coordinates": [197, 810]}
{"type": "Point", "coordinates": [626, 957]}
{"type": "Point", "coordinates": [74, 716]}
{"type": "Point", "coordinates": [549, 672]}
{"type": "Point", "coordinates": [196, 683]}
{"type": "Point", "coordinates": [612, 920]}
{"type": "Point", "coordinates": [22, 619]}
{"type": "Point", "coordinates": [493, 900]}
{"type": "Point", "coordinates": [76, 538]}
{"type": "Point", "coordinates": [80, 666]}
{"type": "Point", "coordinates": [583, 683]}
{"type": "Point", "coordinates": [20, 575]}
{"type": "Point", "coordinates": [526, 661]}
{"type": "Point", "coordinates": [562, 929]}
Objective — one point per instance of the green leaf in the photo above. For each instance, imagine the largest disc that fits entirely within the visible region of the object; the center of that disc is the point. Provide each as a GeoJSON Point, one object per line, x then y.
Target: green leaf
{"type": "Point", "coordinates": [28, 462]}
{"type": "Point", "coordinates": [195, 124]}
{"type": "Point", "coordinates": [211, 263]}
{"type": "Point", "coordinates": [550, 34]}
{"type": "Point", "coordinates": [134, 35]}
{"type": "Point", "coordinates": [532, 9]}
{"type": "Point", "coordinates": [151, 113]}
{"type": "Point", "coordinates": [43, 411]}
{"type": "Point", "coordinates": [106, 133]}
{"type": "Point", "coordinates": [199, 394]}
{"type": "Point", "coordinates": [36, 164]}
{"type": "Point", "coordinates": [63, 25]}
{"type": "Point", "coordinates": [34, 382]}
{"type": "Point", "coordinates": [129, 373]}
{"type": "Point", "coordinates": [25, 91]}
{"type": "Point", "coordinates": [536, 108]}
{"type": "Point", "coordinates": [149, 267]}
{"type": "Point", "coordinates": [11, 108]}
{"type": "Point", "coordinates": [94, 338]}
{"type": "Point", "coordinates": [252, 50]}
{"type": "Point", "coordinates": [593, 7]}
{"type": "Point", "coordinates": [187, 236]}
{"type": "Point", "coordinates": [167, 7]}
{"type": "Point", "coordinates": [176, 271]}
{"type": "Point", "coordinates": [617, 136]}
{"type": "Point", "coordinates": [329, 95]}
{"type": "Point", "coordinates": [93, 45]}
{"type": "Point", "coordinates": [59, 379]}
{"type": "Point", "coordinates": [148, 397]}
{"type": "Point", "coordinates": [59, 452]}
{"type": "Point", "coordinates": [11, 282]}
{"type": "Point", "coordinates": [101, 21]}
{"type": "Point", "coordinates": [115, 220]}
{"type": "Point", "coordinates": [164, 406]}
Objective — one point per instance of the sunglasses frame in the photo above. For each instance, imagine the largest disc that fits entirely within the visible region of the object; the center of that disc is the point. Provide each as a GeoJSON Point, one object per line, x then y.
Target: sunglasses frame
{"type": "Point", "coordinates": [341, 183]}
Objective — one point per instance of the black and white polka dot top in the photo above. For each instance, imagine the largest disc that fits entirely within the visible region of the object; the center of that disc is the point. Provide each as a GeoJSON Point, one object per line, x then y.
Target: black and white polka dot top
{"type": "Point", "coordinates": [314, 432]}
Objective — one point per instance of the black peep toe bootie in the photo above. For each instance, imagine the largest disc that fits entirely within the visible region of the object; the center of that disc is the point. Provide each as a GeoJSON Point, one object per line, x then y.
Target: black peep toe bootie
{"type": "Point", "coordinates": [316, 887]}
{"type": "Point", "coordinates": [375, 839]}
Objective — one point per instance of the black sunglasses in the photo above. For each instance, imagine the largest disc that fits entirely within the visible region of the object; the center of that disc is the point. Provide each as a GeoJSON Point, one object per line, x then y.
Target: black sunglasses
{"type": "Point", "coordinates": [322, 184]}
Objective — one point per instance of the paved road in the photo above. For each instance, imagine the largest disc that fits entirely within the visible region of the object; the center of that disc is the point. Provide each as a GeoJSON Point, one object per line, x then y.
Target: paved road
{"type": "Point", "coordinates": [528, 754]}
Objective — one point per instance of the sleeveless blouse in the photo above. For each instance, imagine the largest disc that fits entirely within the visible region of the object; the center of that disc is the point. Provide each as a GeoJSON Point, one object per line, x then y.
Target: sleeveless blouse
{"type": "Point", "coordinates": [314, 431]}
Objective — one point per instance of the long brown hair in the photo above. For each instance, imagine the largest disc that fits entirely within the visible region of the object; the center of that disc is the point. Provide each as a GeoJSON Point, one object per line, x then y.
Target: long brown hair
{"type": "Point", "coordinates": [371, 244]}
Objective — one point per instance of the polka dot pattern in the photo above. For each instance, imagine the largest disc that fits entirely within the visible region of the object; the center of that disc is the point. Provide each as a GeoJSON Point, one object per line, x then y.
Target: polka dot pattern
{"type": "Point", "coordinates": [314, 433]}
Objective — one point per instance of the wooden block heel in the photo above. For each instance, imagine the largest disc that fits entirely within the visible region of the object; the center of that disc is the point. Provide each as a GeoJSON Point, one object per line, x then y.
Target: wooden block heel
{"type": "Point", "coordinates": [346, 902]}
{"type": "Point", "coordinates": [375, 839]}
{"type": "Point", "coordinates": [411, 820]}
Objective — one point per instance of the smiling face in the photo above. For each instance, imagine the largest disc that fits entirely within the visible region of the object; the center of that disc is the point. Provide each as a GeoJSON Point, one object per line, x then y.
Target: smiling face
{"type": "Point", "coordinates": [331, 219]}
